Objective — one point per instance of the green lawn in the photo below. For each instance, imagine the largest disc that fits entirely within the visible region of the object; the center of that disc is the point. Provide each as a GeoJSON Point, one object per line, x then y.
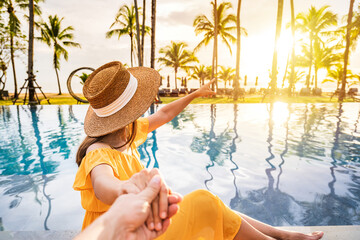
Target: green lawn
{"type": "Point", "coordinates": [68, 100]}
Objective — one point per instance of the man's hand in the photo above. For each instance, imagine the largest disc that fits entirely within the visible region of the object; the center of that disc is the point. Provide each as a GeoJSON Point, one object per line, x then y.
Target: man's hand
{"type": "Point", "coordinates": [132, 210]}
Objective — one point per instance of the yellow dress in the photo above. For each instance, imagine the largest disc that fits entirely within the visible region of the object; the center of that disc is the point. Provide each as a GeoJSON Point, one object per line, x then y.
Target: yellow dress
{"type": "Point", "coordinates": [202, 215]}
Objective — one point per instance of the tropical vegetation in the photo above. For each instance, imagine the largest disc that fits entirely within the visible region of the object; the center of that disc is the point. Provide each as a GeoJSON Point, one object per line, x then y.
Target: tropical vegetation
{"type": "Point", "coordinates": [58, 38]}
{"type": "Point", "coordinates": [321, 42]}
{"type": "Point", "coordinates": [177, 56]}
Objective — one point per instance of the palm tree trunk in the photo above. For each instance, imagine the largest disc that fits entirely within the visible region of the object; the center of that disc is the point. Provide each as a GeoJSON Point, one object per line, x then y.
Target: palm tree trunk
{"type": "Point", "coordinates": [153, 23]}
{"type": "Point", "coordinates": [346, 54]}
{"type": "Point", "coordinates": [316, 71]}
{"type": "Point", "coordinates": [286, 69]}
{"type": "Point", "coordinates": [31, 54]}
{"type": "Point", "coordinates": [143, 33]}
{"type": "Point", "coordinates": [310, 62]}
{"type": "Point", "coordinates": [292, 74]}
{"type": "Point", "coordinates": [216, 43]}
{"type": "Point", "coordinates": [238, 44]}
{"type": "Point", "coordinates": [131, 49]}
{"type": "Point", "coordinates": [277, 36]}
{"type": "Point", "coordinates": [175, 78]}
{"type": "Point", "coordinates": [13, 64]}
{"type": "Point", "coordinates": [138, 32]}
{"type": "Point", "coordinates": [56, 71]}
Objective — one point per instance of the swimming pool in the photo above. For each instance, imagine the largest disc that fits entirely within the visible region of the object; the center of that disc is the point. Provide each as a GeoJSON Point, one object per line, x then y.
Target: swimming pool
{"type": "Point", "coordinates": [284, 164]}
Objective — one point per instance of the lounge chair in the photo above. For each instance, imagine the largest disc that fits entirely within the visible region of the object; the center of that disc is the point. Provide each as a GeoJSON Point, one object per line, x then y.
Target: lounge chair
{"type": "Point", "coordinates": [174, 93]}
{"type": "Point", "coordinates": [5, 94]}
{"type": "Point", "coordinates": [220, 91]}
{"type": "Point", "coordinates": [183, 91]}
{"type": "Point", "coordinates": [193, 90]}
{"type": "Point", "coordinates": [252, 91]}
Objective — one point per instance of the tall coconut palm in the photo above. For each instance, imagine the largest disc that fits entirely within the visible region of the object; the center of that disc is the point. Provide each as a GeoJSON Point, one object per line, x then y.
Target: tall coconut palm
{"type": "Point", "coordinates": [314, 22]}
{"type": "Point", "coordinates": [238, 45]}
{"type": "Point", "coordinates": [14, 29]}
{"type": "Point", "coordinates": [273, 82]}
{"type": "Point", "coordinates": [346, 54]}
{"type": "Point", "coordinates": [199, 73]}
{"type": "Point", "coordinates": [153, 26]}
{"type": "Point", "coordinates": [292, 73]}
{"type": "Point", "coordinates": [298, 77]}
{"type": "Point", "coordinates": [31, 77]}
{"type": "Point", "coordinates": [140, 60]}
{"type": "Point", "coordinates": [335, 75]}
{"type": "Point", "coordinates": [356, 27]}
{"type": "Point", "coordinates": [57, 37]}
{"type": "Point", "coordinates": [125, 21]}
{"type": "Point", "coordinates": [226, 74]}
{"type": "Point", "coordinates": [225, 26]}
{"type": "Point", "coordinates": [177, 56]}
{"type": "Point", "coordinates": [325, 57]}
{"type": "Point", "coordinates": [143, 31]}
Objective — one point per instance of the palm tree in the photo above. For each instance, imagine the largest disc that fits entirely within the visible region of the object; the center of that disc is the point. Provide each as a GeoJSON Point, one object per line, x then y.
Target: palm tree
{"type": "Point", "coordinates": [346, 54]}
{"type": "Point", "coordinates": [355, 33]}
{"type": "Point", "coordinates": [314, 22]}
{"type": "Point", "coordinates": [83, 77]}
{"type": "Point", "coordinates": [238, 45]}
{"type": "Point", "coordinates": [335, 75]}
{"type": "Point", "coordinates": [297, 77]}
{"type": "Point", "coordinates": [209, 73]}
{"type": "Point", "coordinates": [177, 56]}
{"type": "Point", "coordinates": [57, 37]}
{"type": "Point", "coordinates": [277, 36]}
{"type": "Point", "coordinates": [325, 57]}
{"type": "Point", "coordinates": [140, 60]}
{"type": "Point", "coordinates": [153, 25]}
{"type": "Point", "coordinates": [14, 29]}
{"type": "Point", "coordinates": [225, 26]}
{"type": "Point", "coordinates": [143, 33]}
{"type": "Point", "coordinates": [125, 19]}
{"type": "Point", "coordinates": [292, 73]}
{"type": "Point", "coordinates": [226, 74]}
{"type": "Point", "coordinates": [199, 73]}
{"type": "Point", "coordinates": [31, 76]}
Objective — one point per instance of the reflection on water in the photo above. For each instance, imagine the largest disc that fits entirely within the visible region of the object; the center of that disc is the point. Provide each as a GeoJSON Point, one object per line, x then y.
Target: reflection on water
{"type": "Point", "coordinates": [284, 164]}
{"type": "Point", "coordinates": [30, 157]}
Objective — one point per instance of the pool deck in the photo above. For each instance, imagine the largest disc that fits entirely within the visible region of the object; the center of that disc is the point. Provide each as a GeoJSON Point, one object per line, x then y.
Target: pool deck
{"type": "Point", "coordinates": [331, 233]}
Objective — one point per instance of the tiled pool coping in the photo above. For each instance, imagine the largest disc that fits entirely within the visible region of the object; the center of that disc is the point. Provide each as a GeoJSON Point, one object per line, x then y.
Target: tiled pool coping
{"type": "Point", "coordinates": [331, 233]}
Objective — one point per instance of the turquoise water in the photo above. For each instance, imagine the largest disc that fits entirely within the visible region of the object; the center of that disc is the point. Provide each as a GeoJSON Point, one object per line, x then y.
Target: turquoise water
{"type": "Point", "coordinates": [284, 164]}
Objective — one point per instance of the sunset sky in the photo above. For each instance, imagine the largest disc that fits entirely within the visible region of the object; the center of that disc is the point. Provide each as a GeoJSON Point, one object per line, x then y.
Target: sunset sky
{"type": "Point", "coordinates": [91, 19]}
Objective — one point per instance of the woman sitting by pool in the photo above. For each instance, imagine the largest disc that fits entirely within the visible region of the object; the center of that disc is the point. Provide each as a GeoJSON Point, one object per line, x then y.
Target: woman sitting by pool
{"type": "Point", "coordinates": [109, 164]}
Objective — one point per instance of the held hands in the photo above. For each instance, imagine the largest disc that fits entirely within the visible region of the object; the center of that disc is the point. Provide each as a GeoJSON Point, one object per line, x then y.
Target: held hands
{"type": "Point", "coordinates": [162, 206]}
{"type": "Point", "coordinates": [138, 208]}
{"type": "Point", "coordinates": [205, 90]}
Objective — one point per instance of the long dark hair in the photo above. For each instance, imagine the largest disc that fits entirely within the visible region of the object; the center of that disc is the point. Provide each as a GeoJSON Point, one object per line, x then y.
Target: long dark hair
{"type": "Point", "coordinates": [88, 141]}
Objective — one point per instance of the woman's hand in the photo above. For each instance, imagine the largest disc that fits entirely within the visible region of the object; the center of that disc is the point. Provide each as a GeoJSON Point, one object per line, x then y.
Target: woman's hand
{"type": "Point", "coordinates": [159, 206]}
{"type": "Point", "coordinates": [126, 217]}
{"type": "Point", "coordinates": [205, 90]}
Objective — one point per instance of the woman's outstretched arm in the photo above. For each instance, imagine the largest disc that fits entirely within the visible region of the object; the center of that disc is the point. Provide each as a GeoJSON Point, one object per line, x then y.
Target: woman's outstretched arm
{"type": "Point", "coordinates": [171, 110]}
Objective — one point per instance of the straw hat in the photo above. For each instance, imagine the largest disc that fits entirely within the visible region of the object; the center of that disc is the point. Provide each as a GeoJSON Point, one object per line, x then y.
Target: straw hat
{"type": "Point", "coordinates": [118, 96]}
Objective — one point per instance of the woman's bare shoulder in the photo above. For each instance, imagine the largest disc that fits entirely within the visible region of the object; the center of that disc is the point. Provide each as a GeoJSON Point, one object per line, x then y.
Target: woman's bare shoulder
{"type": "Point", "coordinates": [96, 145]}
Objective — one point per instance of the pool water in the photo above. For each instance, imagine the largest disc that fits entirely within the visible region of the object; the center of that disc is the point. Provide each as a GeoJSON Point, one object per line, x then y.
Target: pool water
{"type": "Point", "coordinates": [284, 164]}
